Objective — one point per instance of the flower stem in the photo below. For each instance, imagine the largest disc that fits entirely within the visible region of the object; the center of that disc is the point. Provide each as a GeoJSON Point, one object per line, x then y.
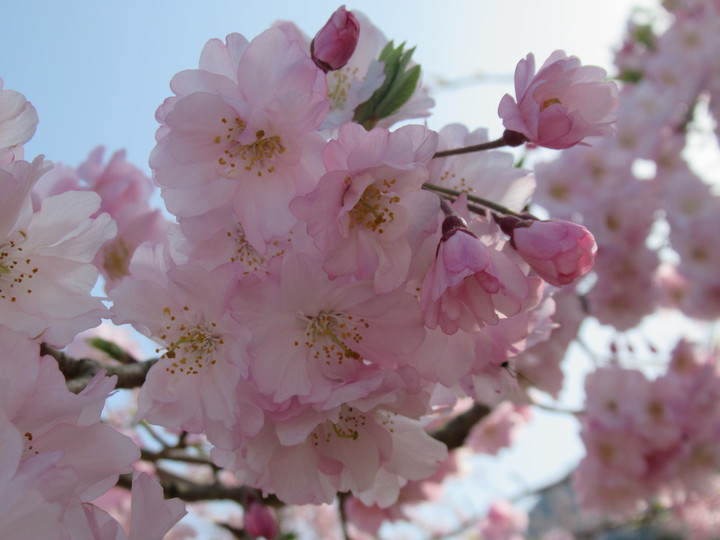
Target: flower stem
{"type": "Point", "coordinates": [477, 200]}
{"type": "Point", "coordinates": [498, 143]}
{"type": "Point", "coordinates": [509, 138]}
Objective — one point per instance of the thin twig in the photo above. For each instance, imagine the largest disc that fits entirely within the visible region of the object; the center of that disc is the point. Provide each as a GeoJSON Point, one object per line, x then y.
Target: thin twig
{"type": "Point", "coordinates": [457, 429]}
{"type": "Point", "coordinates": [472, 198]}
{"type": "Point", "coordinates": [498, 143]}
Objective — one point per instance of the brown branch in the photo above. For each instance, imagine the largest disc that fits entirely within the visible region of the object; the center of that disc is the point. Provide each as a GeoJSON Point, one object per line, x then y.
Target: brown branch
{"type": "Point", "coordinates": [79, 371]}
{"type": "Point", "coordinates": [176, 455]}
{"type": "Point", "coordinates": [453, 435]}
{"type": "Point", "coordinates": [457, 429]}
{"type": "Point", "coordinates": [189, 491]}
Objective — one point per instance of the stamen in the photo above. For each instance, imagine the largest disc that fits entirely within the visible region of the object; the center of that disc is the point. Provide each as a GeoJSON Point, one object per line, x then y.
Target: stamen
{"type": "Point", "coordinates": [549, 102]}
{"type": "Point", "coordinates": [350, 423]}
{"type": "Point", "coordinates": [239, 158]}
{"type": "Point", "coordinates": [16, 268]}
{"type": "Point", "coordinates": [332, 335]}
{"type": "Point", "coordinates": [373, 210]}
{"type": "Point", "coordinates": [193, 348]}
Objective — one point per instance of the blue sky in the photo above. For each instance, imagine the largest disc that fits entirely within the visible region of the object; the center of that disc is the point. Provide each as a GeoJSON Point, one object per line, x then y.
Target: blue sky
{"type": "Point", "coordinates": [97, 69]}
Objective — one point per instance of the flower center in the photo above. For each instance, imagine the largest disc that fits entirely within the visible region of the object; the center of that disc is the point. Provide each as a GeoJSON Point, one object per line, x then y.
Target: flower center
{"type": "Point", "coordinates": [339, 83]}
{"type": "Point", "coordinates": [245, 254]}
{"type": "Point", "coordinates": [116, 259]}
{"type": "Point", "coordinates": [374, 209]}
{"type": "Point", "coordinates": [549, 102]}
{"type": "Point", "coordinates": [350, 422]}
{"type": "Point", "coordinates": [331, 335]}
{"type": "Point", "coordinates": [16, 269]}
{"type": "Point", "coordinates": [190, 348]}
{"type": "Point", "coordinates": [239, 158]}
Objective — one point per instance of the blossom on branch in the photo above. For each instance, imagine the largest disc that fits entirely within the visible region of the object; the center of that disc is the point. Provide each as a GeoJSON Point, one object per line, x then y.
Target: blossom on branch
{"type": "Point", "coordinates": [470, 284]}
{"type": "Point", "coordinates": [559, 251]}
{"type": "Point", "coordinates": [46, 273]}
{"type": "Point", "coordinates": [560, 105]}
{"type": "Point", "coordinates": [335, 43]}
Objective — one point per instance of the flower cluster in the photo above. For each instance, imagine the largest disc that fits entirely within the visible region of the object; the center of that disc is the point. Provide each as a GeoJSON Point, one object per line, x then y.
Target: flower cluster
{"type": "Point", "coordinates": [57, 455]}
{"type": "Point", "coordinates": [331, 283]}
{"type": "Point", "coordinates": [312, 300]}
{"type": "Point", "coordinates": [650, 441]}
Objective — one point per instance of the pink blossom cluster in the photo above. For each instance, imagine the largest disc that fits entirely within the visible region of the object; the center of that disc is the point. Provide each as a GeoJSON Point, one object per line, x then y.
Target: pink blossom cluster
{"type": "Point", "coordinates": [57, 456]}
{"type": "Point", "coordinates": [311, 300]}
{"type": "Point", "coordinates": [654, 218]}
{"type": "Point", "coordinates": [650, 441]}
{"type": "Point", "coordinates": [628, 189]}
{"type": "Point", "coordinates": [125, 193]}
{"type": "Point", "coordinates": [315, 305]}
{"type": "Point", "coordinates": [503, 522]}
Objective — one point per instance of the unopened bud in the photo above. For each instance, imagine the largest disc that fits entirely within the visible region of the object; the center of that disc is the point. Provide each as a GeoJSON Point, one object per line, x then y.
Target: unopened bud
{"type": "Point", "coordinates": [513, 138]}
{"type": "Point", "coordinates": [451, 224]}
{"type": "Point", "coordinates": [259, 521]}
{"type": "Point", "coordinates": [335, 43]}
{"type": "Point", "coordinates": [559, 251]}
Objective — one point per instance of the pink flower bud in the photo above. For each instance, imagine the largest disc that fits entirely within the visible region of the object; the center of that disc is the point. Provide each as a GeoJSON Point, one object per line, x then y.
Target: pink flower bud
{"type": "Point", "coordinates": [559, 251]}
{"type": "Point", "coordinates": [504, 522]}
{"type": "Point", "coordinates": [469, 283]}
{"type": "Point", "coordinates": [335, 43]}
{"type": "Point", "coordinates": [259, 521]}
{"type": "Point", "coordinates": [560, 105]}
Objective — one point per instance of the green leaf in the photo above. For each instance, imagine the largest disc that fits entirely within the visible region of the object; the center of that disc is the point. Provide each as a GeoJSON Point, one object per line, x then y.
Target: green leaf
{"type": "Point", "coordinates": [399, 84]}
{"type": "Point", "coordinates": [631, 76]}
{"type": "Point", "coordinates": [643, 33]}
{"type": "Point", "coordinates": [403, 89]}
{"type": "Point", "coordinates": [113, 350]}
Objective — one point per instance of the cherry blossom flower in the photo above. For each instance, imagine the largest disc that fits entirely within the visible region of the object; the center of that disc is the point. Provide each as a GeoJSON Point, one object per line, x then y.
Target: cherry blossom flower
{"type": "Point", "coordinates": [356, 82]}
{"type": "Point", "coordinates": [46, 273]}
{"type": "Point", "coordinates": [361, 212]}
{"type": "Point", "coordinates": [241, 130]}
{"type": "Point", "coordinates": [185, 310]}
{"type": "Point", "coordinates": [470, 283]}
{"type": "Point", "coordinates": [646, 438]}
{"type": "Point", "coordinates": [335, 43]}
{"type": "Point", "coordinates": [309, 333]}
{"type": "Point", "coordinates": [368, 446]}
{"type": "Point", "coordinates": [124, 194]}
{"type": "Point", "coordinates": [504, 522]}
{"type": "Point", "coordinates": [562, 104]}
{"type": "Point", "coordinates": [559, 251]}
{"type": "Point", "coordinates": [56, 454]}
